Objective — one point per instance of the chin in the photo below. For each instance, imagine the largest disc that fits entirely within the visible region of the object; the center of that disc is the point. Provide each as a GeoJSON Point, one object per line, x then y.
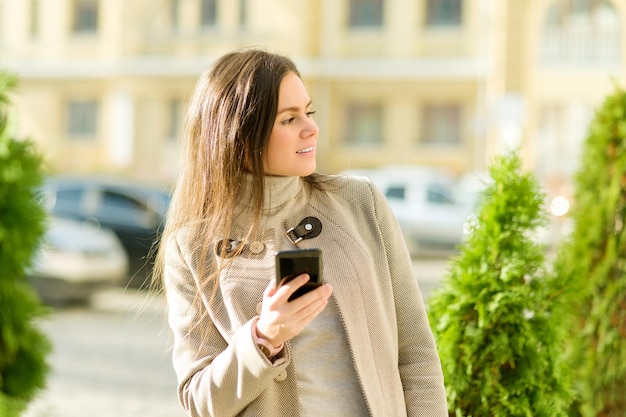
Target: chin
{"type": "Point", "coordinates": [307, 172]}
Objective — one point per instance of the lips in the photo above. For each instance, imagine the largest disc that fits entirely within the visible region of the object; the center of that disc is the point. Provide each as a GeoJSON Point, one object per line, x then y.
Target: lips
{"type": "Point", "coordinates": [306, 150]}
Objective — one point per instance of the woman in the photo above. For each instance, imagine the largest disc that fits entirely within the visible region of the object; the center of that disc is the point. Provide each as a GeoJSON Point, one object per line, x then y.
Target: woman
{"type": "Point", "coordinates": [358, 345]}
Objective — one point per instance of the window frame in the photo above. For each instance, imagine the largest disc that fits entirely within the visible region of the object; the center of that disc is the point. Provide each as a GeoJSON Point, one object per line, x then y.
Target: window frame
{"type": "Point", "coordinates": [34, 23]}
{"type": "Point", "coordinates": [175, 118]}
{"type": "Point", "coordinates": [366, 14]}
{"type": "Point", "coordinates": [208, 13]}
{"type": "Point", "coordinates": [437, 17]}
{"type": "Point", "coordinates": [85, 16]}
{"type": "Point", "coordinates": [368, 117]}
{"type": "Point", "coordinates": [82, 121]}
{"type": "Point", "coordinates": [564, 42]}
{"type": "Point", "coordinates": [436, 115]}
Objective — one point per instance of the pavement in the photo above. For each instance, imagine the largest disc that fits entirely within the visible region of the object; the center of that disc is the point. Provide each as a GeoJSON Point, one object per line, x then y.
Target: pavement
{"type": "Point", "coordinates": [119, 299]}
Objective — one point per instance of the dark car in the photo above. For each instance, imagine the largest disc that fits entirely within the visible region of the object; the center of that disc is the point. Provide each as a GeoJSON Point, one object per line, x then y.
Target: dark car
{"type": "Point", "coordinates": [133, 210]}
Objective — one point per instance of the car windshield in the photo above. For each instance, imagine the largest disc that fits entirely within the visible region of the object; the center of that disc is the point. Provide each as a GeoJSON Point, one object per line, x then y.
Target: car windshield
{"type": "Point", "coordinates": [439, 194]}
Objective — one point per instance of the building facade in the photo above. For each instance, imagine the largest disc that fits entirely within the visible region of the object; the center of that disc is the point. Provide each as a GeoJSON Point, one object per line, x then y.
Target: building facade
{"type": "Point", "coordinates": [450, 83]}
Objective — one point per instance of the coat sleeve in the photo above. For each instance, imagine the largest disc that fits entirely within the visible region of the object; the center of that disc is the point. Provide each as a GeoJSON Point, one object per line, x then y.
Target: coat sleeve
{"type": "Point", "coordinates": [216, 377]}
{"type": "Point", "coordinates": [418, 359]}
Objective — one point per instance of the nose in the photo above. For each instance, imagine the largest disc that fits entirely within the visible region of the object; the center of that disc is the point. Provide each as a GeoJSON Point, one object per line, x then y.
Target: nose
{"type": "Point", "coordinates": [310, 129]}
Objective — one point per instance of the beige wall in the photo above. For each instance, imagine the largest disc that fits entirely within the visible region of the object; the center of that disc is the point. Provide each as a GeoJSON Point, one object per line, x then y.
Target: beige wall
{"type": "Point", "coordinates": [137, 65]}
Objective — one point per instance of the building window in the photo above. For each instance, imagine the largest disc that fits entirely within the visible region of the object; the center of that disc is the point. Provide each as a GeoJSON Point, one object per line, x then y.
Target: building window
{"type": "Point", "coordinates": [175, 13]}
{"type": "Point", "coordinates": [366, 13]}
{"type": "Point", "coordinates": [243, 13]}
{"type": "Point", "coordinates": [444, 12]}
{"type": "Point", "coordinates": [441, 125]}
{"type": "Point", "coordinates": [175, 119]}
{"type": "Point", "coordinates": [581, 32]}
{"type": "Point", "coordinates": [208, 13]}
{"type": "Point", "coordinates": [82, 118]}
{"type": "Point", "coordinates": [85, 16]}
{"type": "Point", "coordinates": [34, 18]}
{"type": "Point", "coordinates": [364, 124]}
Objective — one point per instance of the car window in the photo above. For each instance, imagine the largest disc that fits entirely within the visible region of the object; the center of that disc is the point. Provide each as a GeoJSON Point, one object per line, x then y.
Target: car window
{"type": "Point", "coordinates": [66, 202]}
{"type": "Point", "coordinates": [397, 192]}
{"type": "Point", "coordinates": [438, 194]}
{"type": "Point", "coordinates": [113, 200]}
{"type": "Point", "coordinates": [69, 196]}
{"type": "Point", "coordinates": [124, 210]}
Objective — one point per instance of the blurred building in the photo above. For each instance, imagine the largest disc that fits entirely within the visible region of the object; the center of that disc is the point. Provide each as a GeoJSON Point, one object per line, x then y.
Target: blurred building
{"type": "Point", "coordinates": [435, 82]}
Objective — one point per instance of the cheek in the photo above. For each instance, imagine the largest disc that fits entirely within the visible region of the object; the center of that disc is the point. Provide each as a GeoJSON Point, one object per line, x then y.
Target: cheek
{"type": "Point", "coordinates": [276, 153]}
{"type": "Point", "coordinates": [277, 147]}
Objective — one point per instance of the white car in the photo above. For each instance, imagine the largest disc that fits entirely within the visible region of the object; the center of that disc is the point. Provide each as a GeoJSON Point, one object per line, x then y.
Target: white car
{"type": "Point", "coordinates": [76, 259]}
{"type": "Point", "coordinates": [424, 200]}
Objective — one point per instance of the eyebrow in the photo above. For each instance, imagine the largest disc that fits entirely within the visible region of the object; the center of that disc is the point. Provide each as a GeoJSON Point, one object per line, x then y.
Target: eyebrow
{"type": "Point", "coordinates": [294, 108]}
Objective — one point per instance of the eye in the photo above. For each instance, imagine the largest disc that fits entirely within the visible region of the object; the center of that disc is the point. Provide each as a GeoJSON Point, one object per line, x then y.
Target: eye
{"type": "Point", "coordinates": [310, 113]}
{"type": "Point", "coordinates": [288, 121]}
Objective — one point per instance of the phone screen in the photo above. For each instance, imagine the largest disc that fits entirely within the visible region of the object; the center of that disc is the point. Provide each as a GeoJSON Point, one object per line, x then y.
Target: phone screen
{"type": "Point", "coordinates": [290, 264]}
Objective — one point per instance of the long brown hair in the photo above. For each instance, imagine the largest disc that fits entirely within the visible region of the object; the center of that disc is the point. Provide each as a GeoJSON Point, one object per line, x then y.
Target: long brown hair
{"type": "Point", "coordinates": [226, 131]}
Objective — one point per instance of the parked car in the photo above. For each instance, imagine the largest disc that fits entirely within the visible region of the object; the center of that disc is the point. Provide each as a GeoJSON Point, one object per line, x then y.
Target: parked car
{"type": "Point", "coordinates": [425, 202]}
{"type": "Point", "coordinates": [76, 259]}
{"type": "Point", "coordinates": [133, 210]}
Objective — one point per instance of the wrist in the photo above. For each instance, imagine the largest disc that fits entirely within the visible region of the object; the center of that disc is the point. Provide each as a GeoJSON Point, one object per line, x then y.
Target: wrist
{"type": "Point", "coordinates": [265, 345]}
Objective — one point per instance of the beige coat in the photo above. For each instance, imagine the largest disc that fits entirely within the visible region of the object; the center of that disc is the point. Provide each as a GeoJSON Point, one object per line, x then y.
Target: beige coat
{"type": "Point", "coordinates": [365, 260]}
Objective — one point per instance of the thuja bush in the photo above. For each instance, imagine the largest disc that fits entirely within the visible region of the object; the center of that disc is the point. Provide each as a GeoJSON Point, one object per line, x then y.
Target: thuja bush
{"type": "Point", "coordinates": [493, 316]}
{"type": "Point", "coordinates": [591, 265]}
{"type": "Point", "coordinates": [23, 348]}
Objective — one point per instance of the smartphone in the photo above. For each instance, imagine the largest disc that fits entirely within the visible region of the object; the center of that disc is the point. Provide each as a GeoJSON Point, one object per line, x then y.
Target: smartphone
{"type": "Point", "coordinates": [291, 263]}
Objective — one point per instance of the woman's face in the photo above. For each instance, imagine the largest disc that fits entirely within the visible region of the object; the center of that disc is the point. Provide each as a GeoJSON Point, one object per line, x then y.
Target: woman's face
{"type": "Point", "coordinates": [291, 148]}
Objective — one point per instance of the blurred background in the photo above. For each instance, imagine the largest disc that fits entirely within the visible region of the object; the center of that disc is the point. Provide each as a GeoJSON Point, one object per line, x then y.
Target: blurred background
{"type": "Point", "coordinates": [417, 94]}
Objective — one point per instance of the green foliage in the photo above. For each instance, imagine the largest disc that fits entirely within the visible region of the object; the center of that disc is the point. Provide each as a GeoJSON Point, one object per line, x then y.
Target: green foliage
{"type": "Point", "coordinates": [23, 348]}
{"type": "Point", "coordinates": [591, 265]}
{"type": "Point", "coordinates": [492, 317]}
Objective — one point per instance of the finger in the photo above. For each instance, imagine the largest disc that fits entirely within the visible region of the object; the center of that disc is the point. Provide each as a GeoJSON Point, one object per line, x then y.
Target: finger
{"type": "Point", "coordinates": [324, 291]}
{"type": "Point", "coordinates": [309, 313]}
{"type": "Point", "coordinates": [289, 287]}
{"type": "Point", "coordinates": [312, 303]}
{"type": "Point", "coordinates": [270, 289]}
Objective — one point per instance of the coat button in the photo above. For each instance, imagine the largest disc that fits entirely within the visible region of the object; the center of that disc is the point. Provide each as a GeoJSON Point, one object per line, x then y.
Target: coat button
{"type": "Point", "coordinates": [256, 247]}
{"type": "Point", "coordinates": [282, 375]}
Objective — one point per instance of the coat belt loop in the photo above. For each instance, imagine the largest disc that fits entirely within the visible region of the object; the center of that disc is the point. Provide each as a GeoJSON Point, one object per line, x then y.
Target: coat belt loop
{"type": "Point", "coordinates": [308, 228]}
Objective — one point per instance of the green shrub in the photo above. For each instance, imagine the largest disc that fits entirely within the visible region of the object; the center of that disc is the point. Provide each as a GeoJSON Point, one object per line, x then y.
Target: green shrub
{"type": "Point", "coordinates": [591, 265]}
{"type": "Point", "coordinates": [23, 348]}
{"type": "Point", "coordinates": [492, 317]}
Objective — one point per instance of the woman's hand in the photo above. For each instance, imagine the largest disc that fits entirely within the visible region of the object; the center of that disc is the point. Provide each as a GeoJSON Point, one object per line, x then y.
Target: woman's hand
{"type": "Point", "coordinates": [280, 319]}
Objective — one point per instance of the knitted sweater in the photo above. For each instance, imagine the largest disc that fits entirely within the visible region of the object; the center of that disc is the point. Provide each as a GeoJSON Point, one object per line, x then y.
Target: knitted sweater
{"type": "Point", "coordinates": [374, 289]}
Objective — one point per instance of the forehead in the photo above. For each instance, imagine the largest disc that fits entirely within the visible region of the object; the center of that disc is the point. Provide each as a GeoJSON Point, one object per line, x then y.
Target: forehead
{"type": "Point", "coordinates": [292, 92]}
